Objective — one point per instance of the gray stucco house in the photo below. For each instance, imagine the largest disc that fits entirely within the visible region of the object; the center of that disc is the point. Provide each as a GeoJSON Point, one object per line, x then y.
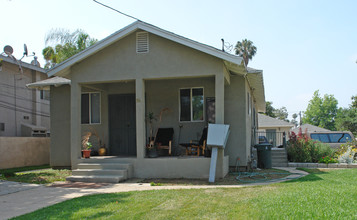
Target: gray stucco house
{"type": "Point", "coordinates": [141, 68]}
{"type": "Point", "coordinates": [23, 111]}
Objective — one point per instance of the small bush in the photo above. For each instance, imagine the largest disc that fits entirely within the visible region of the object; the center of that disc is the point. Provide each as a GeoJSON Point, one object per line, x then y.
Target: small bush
{"type": "Point", "coordinates": [8, 173]}
{"type": "Point", "coordinates": [347, 152]}
{"type": "Point", "coordinates": [303, 149]}
{"type": "Point", "coordinates": [328, 160]}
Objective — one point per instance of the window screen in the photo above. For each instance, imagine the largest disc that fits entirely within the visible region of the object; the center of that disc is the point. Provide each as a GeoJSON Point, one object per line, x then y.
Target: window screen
{"type": "Point", "coordinates": [185, 105]}
{"type": "Point", "coordinates": [85, 109]}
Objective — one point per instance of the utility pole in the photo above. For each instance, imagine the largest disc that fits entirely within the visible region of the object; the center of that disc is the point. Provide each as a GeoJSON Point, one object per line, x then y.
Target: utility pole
{"type": "Point", "coordinates": [300, 118]}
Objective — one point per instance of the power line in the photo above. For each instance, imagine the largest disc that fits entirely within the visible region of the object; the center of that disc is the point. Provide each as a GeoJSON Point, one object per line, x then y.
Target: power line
{"type": "Point", "coordinates": [21, 109]}
{"type": "Point", "coordinates": [117, 10]}
{"type": "Point", "coordinates": [11, 95]}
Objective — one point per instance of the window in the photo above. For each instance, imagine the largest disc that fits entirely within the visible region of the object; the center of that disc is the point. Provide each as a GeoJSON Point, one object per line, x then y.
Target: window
{"type": "Point", "coordinates": [45, 95]}
{"type": "Point", "coordinates": [191, 104]}
{"type": "Point", "coordinates": [249, 103]}
{"type": "Point", "coordinates": [90, 108]}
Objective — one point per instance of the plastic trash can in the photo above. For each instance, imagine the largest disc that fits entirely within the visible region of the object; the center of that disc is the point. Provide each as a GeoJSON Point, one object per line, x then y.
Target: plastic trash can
{"type": "Point", "coordinates": [264, 155]}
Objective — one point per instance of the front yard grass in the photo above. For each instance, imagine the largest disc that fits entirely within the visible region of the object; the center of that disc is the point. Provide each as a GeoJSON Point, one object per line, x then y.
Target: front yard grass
{"type": "Point", "coordinates": [38, 175]}
{"type": "Point", "coordinates": [324, 194]}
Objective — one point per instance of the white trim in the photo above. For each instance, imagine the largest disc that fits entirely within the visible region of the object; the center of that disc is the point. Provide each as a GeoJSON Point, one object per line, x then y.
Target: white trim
{"type": "Point", "coordinates": [90, 108]}
{"type": "Point", "coordinates": [63, 68]}
{"type": "Point", "coordinates": [191, 107]}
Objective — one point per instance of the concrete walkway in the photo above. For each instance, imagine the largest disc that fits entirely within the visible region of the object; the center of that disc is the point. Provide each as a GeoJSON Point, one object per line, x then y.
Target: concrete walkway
{"type": "Point", "coordinates": [21, 198]}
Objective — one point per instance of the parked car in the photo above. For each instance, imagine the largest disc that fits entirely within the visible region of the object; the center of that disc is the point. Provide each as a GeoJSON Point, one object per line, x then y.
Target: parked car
{"type": "Point", "coordinates": [263, 140]}
{"type": "Point", "coordinates": [334, 138]}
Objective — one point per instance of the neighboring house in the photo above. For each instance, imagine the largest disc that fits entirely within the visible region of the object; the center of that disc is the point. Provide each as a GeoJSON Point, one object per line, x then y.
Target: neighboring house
{"type": "Point", "coordinates": [307, 128]}
{"type": "Point", "coordinates": [273, 129]}
{"type": "Point", "coordinates": [113, 84]}
{"type": "Point", "coordinates": [23, 111]}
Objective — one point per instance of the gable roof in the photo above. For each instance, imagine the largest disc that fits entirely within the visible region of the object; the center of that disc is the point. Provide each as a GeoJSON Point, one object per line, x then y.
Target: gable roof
{"type": "Point", "coordinates": [310, 129]}
{"type": "Point", "coordinates": [63, 68]}
{"type": "Point", "coordinates": [265, 121]}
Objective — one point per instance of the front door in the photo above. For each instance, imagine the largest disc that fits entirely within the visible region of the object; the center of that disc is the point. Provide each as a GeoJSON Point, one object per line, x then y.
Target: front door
{"type": "Point", "coordinates": [122, 125]}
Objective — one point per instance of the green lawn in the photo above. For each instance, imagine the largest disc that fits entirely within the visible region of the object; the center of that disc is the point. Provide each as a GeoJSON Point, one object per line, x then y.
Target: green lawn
{"type": "Point", "coordinates": [329, 194]}
{"type": "Point", "coordinates": [37, 174]}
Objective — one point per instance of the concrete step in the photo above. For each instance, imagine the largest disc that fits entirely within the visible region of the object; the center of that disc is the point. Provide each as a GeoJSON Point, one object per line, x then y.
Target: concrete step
{"type": "Point", "coordinates": [274, 157]}
{"type": "Point", "coordinates": [100, 172]}
{"type": "Point", "coordinates": [96, 179]}
{"type": "Point", "coordinates": [104, 166]}
{"type": "Point", "coordinates": [279, 164]}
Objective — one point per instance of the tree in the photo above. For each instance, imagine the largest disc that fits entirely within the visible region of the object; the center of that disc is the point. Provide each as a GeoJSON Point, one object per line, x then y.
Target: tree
{"type": "Point", "coordinates": [346, 119]}
{"type": "Point", "coordinates": [321, 111]}
{"type": "Point", "coordinates": [354, 101]}
{"type": "Point", "coordinates": [282, 114]}
{"type": "Point", "coordinates": [294, 121]}
{"type": "Point", "coordinates": [66, 43]}
{"type": "Point", "coordinates": [269, 109]}
{"type": "Point", "coordinates": [245, 49]}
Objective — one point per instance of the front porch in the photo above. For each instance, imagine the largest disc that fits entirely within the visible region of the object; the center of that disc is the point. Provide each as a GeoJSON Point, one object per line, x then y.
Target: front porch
{"type": "Point", "coordinates": [122, 125]}
{"type": "Point", "coordinates": [116, 169]}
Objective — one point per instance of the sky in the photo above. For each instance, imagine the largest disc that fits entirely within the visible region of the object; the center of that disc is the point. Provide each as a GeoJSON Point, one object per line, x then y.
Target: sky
{"type": "Point", "coordinates": [302, 45]}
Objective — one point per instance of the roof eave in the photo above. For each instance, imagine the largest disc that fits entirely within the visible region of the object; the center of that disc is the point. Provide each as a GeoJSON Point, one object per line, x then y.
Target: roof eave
{"type": "Point", "coordinates": [64, 68]}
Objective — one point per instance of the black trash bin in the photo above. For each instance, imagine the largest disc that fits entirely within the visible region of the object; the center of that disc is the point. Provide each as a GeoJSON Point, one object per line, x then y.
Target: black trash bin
{"type": "Point", "coordinates": [264, 155]}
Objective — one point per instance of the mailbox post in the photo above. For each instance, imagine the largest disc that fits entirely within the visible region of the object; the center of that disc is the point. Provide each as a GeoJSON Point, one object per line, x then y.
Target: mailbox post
{"type": "Point", "coordinates": [217, 137]}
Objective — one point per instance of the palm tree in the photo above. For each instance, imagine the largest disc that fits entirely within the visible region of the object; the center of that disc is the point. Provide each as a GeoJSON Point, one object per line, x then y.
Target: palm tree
{"type": "Point", "coordinates": [245, 49]}
{"type": "Point", "coordinates": [67, 45]}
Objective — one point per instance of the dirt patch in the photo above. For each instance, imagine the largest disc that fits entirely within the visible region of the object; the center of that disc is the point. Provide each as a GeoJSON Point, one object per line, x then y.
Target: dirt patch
{"type": "Point", "coordinates": [230, 179]}
{"type": "Point", "coordinates": [81, 185]}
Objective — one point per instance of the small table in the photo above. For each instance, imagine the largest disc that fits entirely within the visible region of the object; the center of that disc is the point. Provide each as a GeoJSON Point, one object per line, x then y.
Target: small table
{"type": "Point", "coordinates": [187, 145]}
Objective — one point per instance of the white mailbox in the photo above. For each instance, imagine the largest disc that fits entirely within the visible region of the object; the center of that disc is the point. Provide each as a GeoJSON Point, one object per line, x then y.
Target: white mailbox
{"type": "Point", "coordinates": [217, 137]}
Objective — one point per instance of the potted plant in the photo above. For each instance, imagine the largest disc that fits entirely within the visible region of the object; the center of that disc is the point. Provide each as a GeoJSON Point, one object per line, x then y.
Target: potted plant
{"type": "Point", "coordinates": [87, 151]}
{"type": "Point", "coordinates": [86, 145]}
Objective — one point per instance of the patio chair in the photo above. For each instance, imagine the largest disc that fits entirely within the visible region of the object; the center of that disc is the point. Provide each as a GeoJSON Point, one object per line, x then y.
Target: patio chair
{"type": "Point", "coordinates": [196, 146]}
{"type": "Point", "coordinates": [164, 138]}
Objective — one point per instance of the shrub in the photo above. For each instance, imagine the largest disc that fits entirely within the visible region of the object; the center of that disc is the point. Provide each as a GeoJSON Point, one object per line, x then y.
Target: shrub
{"type": "Point", "coordinates": [328, 160]}
{"type": "Point", "coordinates": [347, 152]}
{"type": "Point", "coordinates": [302, 149]}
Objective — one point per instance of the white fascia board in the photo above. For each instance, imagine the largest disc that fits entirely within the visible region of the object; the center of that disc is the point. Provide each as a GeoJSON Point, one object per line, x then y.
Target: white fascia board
{"type": "Point", "coordinates": [190, 43]}
{"type": "Point", "coordinates": [149, 28]}
{"type": "Point", "coordinates": [93, 49]}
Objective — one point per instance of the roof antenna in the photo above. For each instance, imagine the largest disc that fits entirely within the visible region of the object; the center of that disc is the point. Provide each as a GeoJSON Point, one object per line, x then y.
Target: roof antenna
{"type": "Point", "coordinates": [8, 50]}
{"type": "Point", "coordinates": [26, 52]}
{"type": "Point", "coordinates": [117, 10]}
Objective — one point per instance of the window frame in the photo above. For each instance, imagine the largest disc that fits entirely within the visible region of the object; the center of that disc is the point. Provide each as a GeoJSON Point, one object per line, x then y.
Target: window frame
{"type": "Point", "coordinates": [90, 108]}
{"type": "Point", "coordinates": [191, 106]}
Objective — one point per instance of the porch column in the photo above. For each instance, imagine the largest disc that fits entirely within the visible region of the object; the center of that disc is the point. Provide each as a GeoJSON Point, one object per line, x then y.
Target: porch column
{"type": "Point", "coordinates": [140, 118]}
{"type": "Point", "coordinates": [75, 124]}
{"type": "Point", "coordinates": [219, 90]}
{"type": "Point", "coordinates": [219, 93]}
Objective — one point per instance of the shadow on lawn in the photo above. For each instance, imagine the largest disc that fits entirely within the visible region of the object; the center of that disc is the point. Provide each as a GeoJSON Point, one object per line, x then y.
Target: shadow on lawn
{"type": "Point", "coordinates": [314, 175]}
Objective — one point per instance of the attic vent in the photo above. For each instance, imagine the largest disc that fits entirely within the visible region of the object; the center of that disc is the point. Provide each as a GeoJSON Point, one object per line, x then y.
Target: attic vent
{"type": "Point", "coordinates": [142, 42]}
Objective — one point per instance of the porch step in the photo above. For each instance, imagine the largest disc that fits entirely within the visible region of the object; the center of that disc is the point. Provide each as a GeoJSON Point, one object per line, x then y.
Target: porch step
{"type": "Point", "coordinates": [96, 179]}
{"type": "Point", "coordinates": [101, 171]}
{"type": "Point", "coordinates": [275, 164]}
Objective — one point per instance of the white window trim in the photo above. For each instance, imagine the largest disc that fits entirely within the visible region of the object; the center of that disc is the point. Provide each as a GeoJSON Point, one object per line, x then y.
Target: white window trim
{"type": "Point", "coordinates": [191, 113]}
{"type": "Point", "coordinates": [90, 108]}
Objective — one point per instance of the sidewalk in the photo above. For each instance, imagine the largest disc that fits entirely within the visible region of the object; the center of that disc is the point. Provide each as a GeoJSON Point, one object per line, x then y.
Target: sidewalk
{"type": "Point", "coordinates": [21, 198]}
